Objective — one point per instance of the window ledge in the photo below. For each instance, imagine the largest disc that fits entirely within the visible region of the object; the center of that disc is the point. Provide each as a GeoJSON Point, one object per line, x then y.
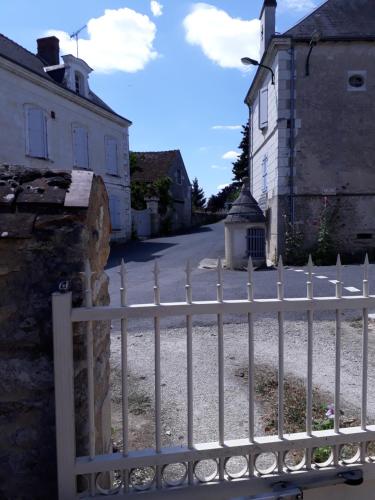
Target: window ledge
{"type": "Point", "coordinates": [39, 158]}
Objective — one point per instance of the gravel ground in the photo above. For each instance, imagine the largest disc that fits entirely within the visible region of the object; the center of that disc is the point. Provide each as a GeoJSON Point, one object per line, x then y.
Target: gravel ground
{"type": "Point", "coordinates": [173, 376]}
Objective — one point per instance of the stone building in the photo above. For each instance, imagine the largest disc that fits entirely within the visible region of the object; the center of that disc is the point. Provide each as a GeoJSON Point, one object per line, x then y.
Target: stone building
{"type": "Point", "coordinates": [152, 166]}
{"type": "Point", "coordinates": [54, 121]}
{"type": "Point", "coordinates": [312, 131]}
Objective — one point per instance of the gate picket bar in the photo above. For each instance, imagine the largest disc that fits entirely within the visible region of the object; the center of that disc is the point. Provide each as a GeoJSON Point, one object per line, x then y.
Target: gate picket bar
{"type": "Point", "coordinates": [221, 484]}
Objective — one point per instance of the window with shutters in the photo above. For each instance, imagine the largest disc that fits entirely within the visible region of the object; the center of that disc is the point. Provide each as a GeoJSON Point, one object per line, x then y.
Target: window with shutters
{"type": "Point", "coordinates": [111, 155]}
{"type": "Point", "coordinates": [263, 108]}
{"type": "Point", "coordinates": [265, 174]}
{"type": "Point", "coordinates": [115, 213]}
{"type": "Point", "coordinates": [36, 132]}
{"type": "Point", "coordinates": [80, 147]}
{"type": "Point", "coordinates": [78, 83]}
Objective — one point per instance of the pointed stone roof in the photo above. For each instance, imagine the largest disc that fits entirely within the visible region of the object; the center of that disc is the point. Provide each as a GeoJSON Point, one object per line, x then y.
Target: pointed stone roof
{"type": "Point", "coordinates": [245, 208]}
{"type": "Point", "coordinates": [351, 19]}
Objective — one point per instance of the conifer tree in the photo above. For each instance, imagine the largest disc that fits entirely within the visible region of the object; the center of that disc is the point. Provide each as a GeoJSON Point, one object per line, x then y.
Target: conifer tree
{"type": "Point", "coordinates": [240, 168]}
{"type": "Point", "coordinates": [197, 196]}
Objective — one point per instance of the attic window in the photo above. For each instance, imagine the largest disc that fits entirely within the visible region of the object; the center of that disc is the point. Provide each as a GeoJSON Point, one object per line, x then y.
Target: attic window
{"type": "Point", "coordinates": [357, 80]}
{"type": "Point", "coordinates": [78, 82]}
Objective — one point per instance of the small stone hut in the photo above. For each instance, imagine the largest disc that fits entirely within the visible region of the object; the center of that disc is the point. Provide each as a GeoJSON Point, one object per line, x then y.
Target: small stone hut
{"type": "Point", "coordinates": [245, 230]}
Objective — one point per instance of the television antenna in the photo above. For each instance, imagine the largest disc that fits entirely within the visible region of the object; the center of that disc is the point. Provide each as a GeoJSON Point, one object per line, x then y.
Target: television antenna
{"type": "Point", "coordinates": [75, 35]}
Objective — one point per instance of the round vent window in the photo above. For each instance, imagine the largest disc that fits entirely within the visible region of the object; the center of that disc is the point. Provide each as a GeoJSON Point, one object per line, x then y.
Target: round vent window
{"type": "Point", "coordinates": [356, 81]}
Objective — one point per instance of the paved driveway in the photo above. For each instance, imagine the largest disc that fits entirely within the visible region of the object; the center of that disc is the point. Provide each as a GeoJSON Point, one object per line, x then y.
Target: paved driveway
{"type": "Point", "coordinates": [208, 242]}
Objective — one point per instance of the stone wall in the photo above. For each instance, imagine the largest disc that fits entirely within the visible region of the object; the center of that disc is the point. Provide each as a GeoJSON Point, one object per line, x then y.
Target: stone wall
{"type": "Point", "coordinates": [49, 224]}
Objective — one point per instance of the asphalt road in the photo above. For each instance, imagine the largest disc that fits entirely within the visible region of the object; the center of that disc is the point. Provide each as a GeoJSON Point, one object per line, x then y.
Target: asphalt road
{"type": "Point", "coordinates": [172, 254]}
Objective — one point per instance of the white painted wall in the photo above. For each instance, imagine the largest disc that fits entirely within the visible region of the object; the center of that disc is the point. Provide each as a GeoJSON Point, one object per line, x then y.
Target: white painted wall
{"type": "Point", "coordinates": [264, 141]}
{"type": "Point", "coordinates": [19, 88]}
{"type": "Point", "coordinates": [272, 142]}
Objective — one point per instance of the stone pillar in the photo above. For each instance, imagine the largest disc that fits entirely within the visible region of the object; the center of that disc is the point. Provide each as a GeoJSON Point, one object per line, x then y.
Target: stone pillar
{"type": "Point", "coordinates": [49, 224]}
{"type": "Point", "coordinates": [152, 204]}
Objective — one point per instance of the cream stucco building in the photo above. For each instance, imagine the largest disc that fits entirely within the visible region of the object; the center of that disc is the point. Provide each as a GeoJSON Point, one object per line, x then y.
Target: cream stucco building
{"type": "Point", "coordinates": [51, 118]}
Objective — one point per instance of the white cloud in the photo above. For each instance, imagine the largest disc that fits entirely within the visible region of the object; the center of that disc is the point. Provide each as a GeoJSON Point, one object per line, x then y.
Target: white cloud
{"type": "Point", "coordinates": [231, 155]}
{"type": "Point", "coordinates": [226, 127]}
{"type": "Point", "coordinates": [222, 186]}
{"type": "Point", "coordinates": [298, 5]}
{"type": "Point", "coordinates": [119, 40]}
{"type": "Point", "coordinates": [156, 8]}
{"type": "Point", "coordinates": [222, 38]}
{"type": "Point", "coordinates": [218, 167]}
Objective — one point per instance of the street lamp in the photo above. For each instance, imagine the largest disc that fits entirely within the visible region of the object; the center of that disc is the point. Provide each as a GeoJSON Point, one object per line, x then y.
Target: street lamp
{"type": "Point", "coordinates": [247, 61]}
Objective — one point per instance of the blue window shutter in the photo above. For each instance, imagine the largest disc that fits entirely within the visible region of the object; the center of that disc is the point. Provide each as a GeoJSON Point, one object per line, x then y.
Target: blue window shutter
{"type": "Point", "coordinates": [111, 155]}
{"type": "Point", "coordinates": [37, 133]}
{"type": "Point", "coordinates": [263, 108]}
{"type": "Point", "coordinates": [80, 147]}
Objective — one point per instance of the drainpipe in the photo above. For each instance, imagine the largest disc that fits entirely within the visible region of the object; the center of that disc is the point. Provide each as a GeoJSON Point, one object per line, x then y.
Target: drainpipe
{"type": "Point", "coordinates": [292, 134]}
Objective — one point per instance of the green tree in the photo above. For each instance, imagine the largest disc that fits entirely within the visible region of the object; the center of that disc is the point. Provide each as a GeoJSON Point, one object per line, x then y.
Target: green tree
{"type": "Point", "coordinates": [197, 196]}
{"type": "Point", "coordinates": [226, 195]}
{"type": "Point", "coordinates": [240, 168]}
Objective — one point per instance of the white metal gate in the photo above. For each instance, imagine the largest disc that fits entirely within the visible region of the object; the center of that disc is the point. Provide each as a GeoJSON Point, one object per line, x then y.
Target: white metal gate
{"type": "Point", "coordinates": [280, 479]}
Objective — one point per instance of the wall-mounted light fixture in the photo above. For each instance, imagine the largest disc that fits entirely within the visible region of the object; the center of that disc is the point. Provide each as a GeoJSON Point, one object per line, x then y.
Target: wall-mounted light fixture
{"type": "Point", "coordinates": [252, 62]}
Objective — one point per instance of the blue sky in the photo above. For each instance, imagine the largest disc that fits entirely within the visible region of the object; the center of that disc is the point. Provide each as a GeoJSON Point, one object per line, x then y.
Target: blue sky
{"type": "Point", "coordinates": [172, 68]}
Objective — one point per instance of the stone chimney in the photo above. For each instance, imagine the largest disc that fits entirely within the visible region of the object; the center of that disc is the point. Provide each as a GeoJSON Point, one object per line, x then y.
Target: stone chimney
{"type": "Point", "coordinates": [49, 50]}
{"type": "Point", "coordinates": [268, 24]}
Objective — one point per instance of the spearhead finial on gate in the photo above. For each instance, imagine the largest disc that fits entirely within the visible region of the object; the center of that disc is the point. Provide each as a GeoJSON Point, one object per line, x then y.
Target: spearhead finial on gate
{"type": "Point", "coordinates": [156, 273]}
{"type": "Point", "coordinates": [366, 291]}
{"type": "Point", "coordinates": [188, 282]}
{"type": "Point", "coordinates": [219, 280]}
{"type": "Point", "coordinates": [338, 277]}
{"type": "Point", "coordinates": [123, 275]}
{"type": "Point", "coordinates": [310, 266]}
{"type": "Point", "coordinates": [250, 270]}
{"type": "Point", "coordinates": [188, 272]}
{"type": "Point", "coordinates": [280, 284]}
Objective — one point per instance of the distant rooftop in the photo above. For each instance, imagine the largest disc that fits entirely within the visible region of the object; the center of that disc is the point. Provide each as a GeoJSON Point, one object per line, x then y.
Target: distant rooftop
{"type": "Point", "coordinates": [12, 51]}
{"type": "Point", "coordinates": [155, 164]}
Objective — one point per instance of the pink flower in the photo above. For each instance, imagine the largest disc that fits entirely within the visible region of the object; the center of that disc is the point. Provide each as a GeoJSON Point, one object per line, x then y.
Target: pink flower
{"type": "Point", "coordinates": [330, 411]}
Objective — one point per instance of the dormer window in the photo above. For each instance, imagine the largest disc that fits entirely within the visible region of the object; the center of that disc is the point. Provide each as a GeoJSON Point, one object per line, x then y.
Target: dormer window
{"type": "Point", "coordinates": [78, 80]}
{"type": "Point", "coordinates": [76, 75]}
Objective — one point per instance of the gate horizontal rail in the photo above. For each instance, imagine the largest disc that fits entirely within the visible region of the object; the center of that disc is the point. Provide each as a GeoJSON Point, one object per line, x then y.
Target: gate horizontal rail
{"type": "Point", "coordinates": [221, 483]}
{"type": "Point", "coordinates": [257, 306]}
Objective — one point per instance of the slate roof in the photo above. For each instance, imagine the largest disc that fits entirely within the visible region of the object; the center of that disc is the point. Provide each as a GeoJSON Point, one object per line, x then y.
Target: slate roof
{"type": "Point", "coordinates": [154, 165]}
{"type": "Point", "coordinates": [342, 19]}
{"type": "Point", "coordinates": [245, 208]}
{"type": "Point", "coordinates": [13, 52]}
